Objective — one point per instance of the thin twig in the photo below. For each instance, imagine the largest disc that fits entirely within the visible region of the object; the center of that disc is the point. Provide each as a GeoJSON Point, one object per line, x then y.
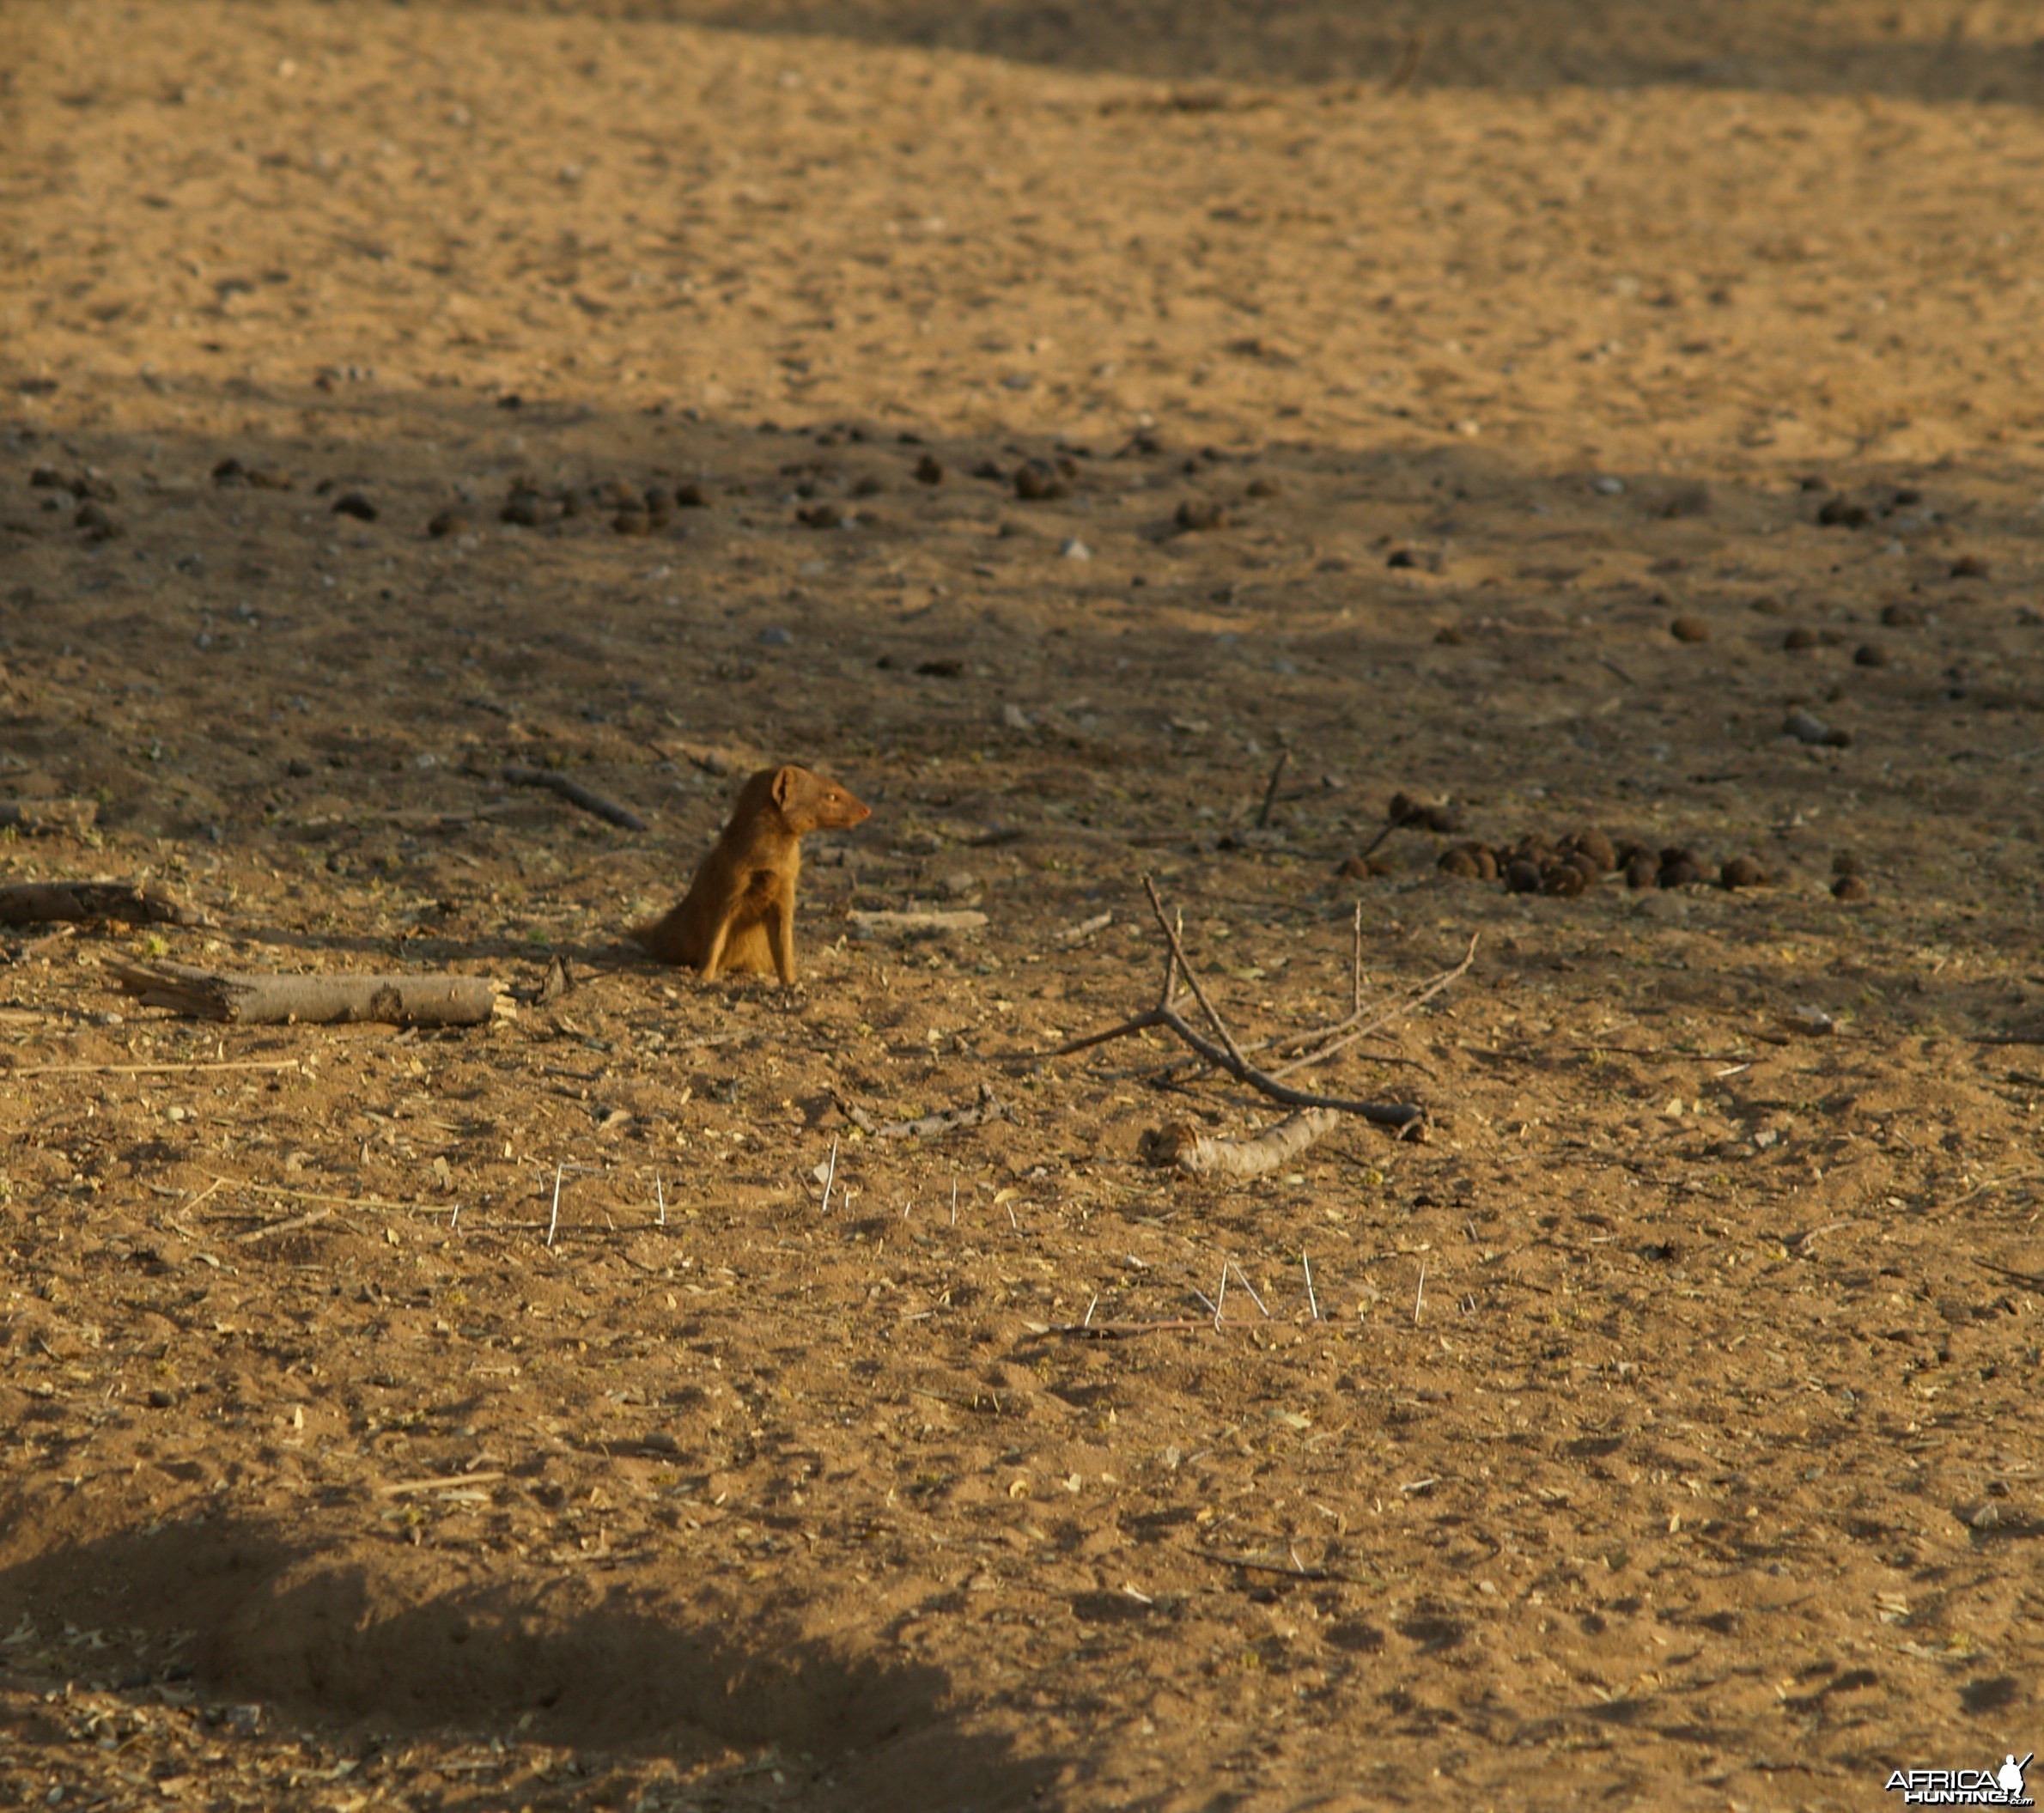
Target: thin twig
{"type": "Point", "coordinates": [554, 1219]}
{"type": "Point", "coordinates": [1122, 1330]}
{"type": "Point", "coordinates": [1420, 1296]}
{"type": "Point", "coordinates": [1251, 1289]}
{"type": "Point", "coordinates": [1277, 774]}
{"type": "Point", "coordinates": [289, 1063]}
{"type": "Point", "coordinates": [829, 1177]}
{"type": "Point", "coordinates": [1355, 970]}
{"type": "Point", "coordinates": [1192, 981]}
{"type": "Point", "coordinates": [291, 1223]}
{"type": "Point", "coordinates": [662, 1194]}
{"type": "Point", "coordinates": [1312, 1302]}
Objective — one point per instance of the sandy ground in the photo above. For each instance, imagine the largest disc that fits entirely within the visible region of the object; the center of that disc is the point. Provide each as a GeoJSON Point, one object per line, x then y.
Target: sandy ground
{"type": "Point", "coordinates": [1659, 1428]}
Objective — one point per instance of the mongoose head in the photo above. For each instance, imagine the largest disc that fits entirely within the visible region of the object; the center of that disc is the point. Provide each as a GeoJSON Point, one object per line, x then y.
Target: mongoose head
{"type": "Point", "coordinates": [810, 801]}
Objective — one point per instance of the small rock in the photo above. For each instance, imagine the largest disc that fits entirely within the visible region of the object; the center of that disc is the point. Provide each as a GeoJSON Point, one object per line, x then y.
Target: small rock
{"type": "Point", "coordinates": [1850, 890]}
{"type": "Point", "coordinates": [1402, 558]}
{"type": "Point", "coordinates": [1807, 728]}
{"type": "Point", "coordinates": [1202, 513]}
{"type": "Point", "coordinates": [1071, 548]}
{"type": "Point", "coordinates": [929, 470]}
{"type": "Point", "coordinates": [1869, 655]}
{"type": "Point", "coordinates": [774, 636]}
{"type": "Point", "coordinates": [1689, 630]}
{"type": "Point", "coordinates": [1811, 1022]}
{"type": "Point", "coordinates": [1610, 487]}
{"type": "Point", "coordinates": [353, 503]}
{"type": "Point", "coordinates": [1743, 872]}
{"type": "Point", "coordinates": [946, 667]}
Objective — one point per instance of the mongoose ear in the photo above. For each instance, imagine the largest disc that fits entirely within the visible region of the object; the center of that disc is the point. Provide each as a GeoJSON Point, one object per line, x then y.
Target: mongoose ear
{"type": "Point", "coordinates": [784, 786]}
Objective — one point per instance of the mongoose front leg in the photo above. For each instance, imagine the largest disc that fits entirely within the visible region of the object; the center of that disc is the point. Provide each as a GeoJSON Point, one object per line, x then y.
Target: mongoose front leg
{"type": "Point", "coordinates": [782, 928]}
{"type": "Point", "coordinates": [714, 954]}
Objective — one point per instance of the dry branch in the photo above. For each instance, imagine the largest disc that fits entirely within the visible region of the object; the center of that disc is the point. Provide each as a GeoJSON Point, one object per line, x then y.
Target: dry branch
{"type": "Point", "coordinates": [1403, 1117]}
{"type": "Point", "coordinates": [870, 925]}
{"type": "Point", "coordinates": [988, 1107]}
{"type": "Point", "coordinates": [575, 794]}
{"type": "Point", "coordinates": [1186, 1148]}
{"type": "Point", "coordinates": [400, 1001]}
{"type": "Point", "coordinates": [39, 903]}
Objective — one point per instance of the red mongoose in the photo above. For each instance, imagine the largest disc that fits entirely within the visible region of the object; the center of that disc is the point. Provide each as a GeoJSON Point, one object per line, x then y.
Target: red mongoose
{"type": "Point", "coordinates": [739, 911]}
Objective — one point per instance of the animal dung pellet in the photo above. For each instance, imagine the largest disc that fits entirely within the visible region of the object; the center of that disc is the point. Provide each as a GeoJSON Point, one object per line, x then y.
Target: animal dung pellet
{"type": "Point", "coordinates": [1680, 867]}
{"type": "Point", "coordinates": [1594, 845]}
{"type": "Point", "coordinates": [1037, 481]}
{"type": "Point", "coordinates": [1743, 872]}
{"type": "Point", "coordinates": [1851, 889]}
{"type": "Point", "coordinates": [1689, 630]}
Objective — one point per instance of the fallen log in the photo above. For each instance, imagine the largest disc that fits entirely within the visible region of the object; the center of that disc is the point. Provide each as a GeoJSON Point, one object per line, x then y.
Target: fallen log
{"type": "Point", "coordinates": [1185, 1148]}
{"type": "Point", "coordinates": [39, 903]}
{"type": "Point", "coordinates": [267, 1000]}
{"type": "Point", "coordinates": [575, 794]}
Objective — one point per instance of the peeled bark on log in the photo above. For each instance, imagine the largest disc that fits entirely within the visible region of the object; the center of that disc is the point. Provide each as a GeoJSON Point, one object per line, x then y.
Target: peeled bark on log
{"type": "Point", "coordinates": [267, 1001]}
{"type": "Point", "coordinates": [38, 817]}
{"type": "Point", "coordinates": [1185, 1148]}
{"type": "Point", "coordinates": [38, 902]}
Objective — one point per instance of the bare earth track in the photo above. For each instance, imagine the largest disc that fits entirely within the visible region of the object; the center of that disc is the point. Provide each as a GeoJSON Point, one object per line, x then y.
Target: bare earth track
{"type": "Point", "coordinates": [389, 394]}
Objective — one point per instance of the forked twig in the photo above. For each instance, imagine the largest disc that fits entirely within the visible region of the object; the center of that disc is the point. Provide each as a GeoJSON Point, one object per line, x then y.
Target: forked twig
{"type": "Point", "coordinates": [1226, 1054]}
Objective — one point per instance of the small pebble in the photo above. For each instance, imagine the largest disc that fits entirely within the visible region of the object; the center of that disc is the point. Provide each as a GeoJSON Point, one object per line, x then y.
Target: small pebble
{"type": "Point", "coordinates": [1851, 889]}
{"type": "Point", "coordinates": [1869, 655]}
{"type": "Point", "coordinates": [774, 636]}
{"type": "Point", "coordinates": [1073, 549]}
{"type": "Point", "coordinates": [1689, 630]}
{"type": "Point", "coordinates": [1807, 728]}
{"type": "Point", "coordinates": [1610, 487]}
{"type": "Point", "coordinates": [353, 503]}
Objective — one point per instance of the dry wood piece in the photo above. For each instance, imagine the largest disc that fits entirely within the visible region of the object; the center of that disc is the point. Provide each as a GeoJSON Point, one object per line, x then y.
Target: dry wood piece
{"type": "Point", "coordinates": [1404, 1117]}
{"type": "Point", "coordinates": [1186, 1148]}
{"type": "Point", "coordinates": [263, 1001]}
{"type": "Point", "coordinates": [575, 794]}
{"type": "Point", "coordinates": [871, 924]}
{"type": "Point", "coordinates": [38, 902]}
{"type": "Point", "coordinates": [40, 816]}
{"type": "Point", "coordinates": [988, 1107]}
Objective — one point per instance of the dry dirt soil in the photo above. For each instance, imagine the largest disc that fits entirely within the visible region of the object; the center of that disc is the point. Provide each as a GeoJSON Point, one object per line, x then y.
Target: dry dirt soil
{"type": "Point", "coordinates": [1042, 419]}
